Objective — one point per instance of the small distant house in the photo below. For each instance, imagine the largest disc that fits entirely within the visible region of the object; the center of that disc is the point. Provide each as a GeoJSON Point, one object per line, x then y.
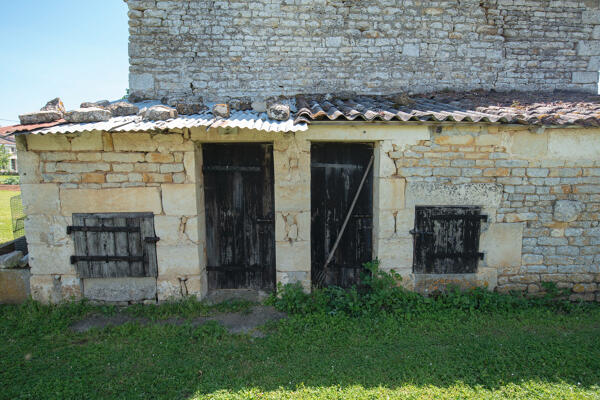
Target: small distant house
{"type": "Point", "coordinates": [454, 144]}
{"type": "Point", "coordinates": [8, 141]}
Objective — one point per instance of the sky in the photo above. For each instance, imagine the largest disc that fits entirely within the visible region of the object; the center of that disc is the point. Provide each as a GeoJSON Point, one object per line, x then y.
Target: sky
{"type": "Point", "coordinates": [72, 49]}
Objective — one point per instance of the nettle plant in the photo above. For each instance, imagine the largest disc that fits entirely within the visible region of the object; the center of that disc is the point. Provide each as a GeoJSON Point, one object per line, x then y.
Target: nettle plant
{"type": "Point", "coordinates": [381, 292]}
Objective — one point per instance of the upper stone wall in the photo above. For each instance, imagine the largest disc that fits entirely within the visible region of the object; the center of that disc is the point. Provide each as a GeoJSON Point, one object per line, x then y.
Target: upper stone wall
{"type": "Point", "coordinates": [235, 48]}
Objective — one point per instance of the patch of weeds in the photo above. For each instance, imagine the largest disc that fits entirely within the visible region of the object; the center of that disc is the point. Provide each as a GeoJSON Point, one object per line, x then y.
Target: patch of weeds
{"type": "Point", "coordinates": [380, 291]}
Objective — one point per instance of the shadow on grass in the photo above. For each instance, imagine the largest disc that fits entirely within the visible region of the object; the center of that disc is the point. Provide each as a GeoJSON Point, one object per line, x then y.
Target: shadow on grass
{"type": "Point", "coordinates": [482, 351]}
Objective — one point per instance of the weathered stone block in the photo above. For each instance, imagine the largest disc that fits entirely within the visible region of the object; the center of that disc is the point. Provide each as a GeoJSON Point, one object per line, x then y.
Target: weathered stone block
{"type": "Point", "coordinates": [291, 197]}
{"type": "Point", "coordinates": [220, 111]}
{"type": "Point", "coordinates": [529, 145]}
{"type": "Point", "coordinates": [396, 254]}
{"type": "Point", "coordinates": [487, 195]}
{"type": "Point", "coordinates": [40, 117]}
{"type": "Point", "coordinates": [179, 199]}
{"type": "Point", "coordinates": [384, 166]}
{"type": "Point", "coordinates": [391, 193]}
{"type": "Point", "coordinates": [119, 289]}
{"type": "Point", "coordinates": [133, 142]}
{"type": "Point", "coordinates": [87, 141]}
{"type": "Point", "coordinates": [567, 210]}
{"type": "Point", "coordinates": [195, 228]}
{"type": "Point", "coordinates": [51, 259]}
{"type": "Point", "coordinates": [501, 244]}
{"type": "Point", "coordinates": [48, 142]}
{"type": "Point", "coordinates": [93, 177]}
{"type": "Point", "coordinates": [292, 256]}
{"type": "Point", "coordinates": [172, 230]}
{"type": "Point", "coordinates": [86, 115]}
{"type": "Point", "coordinates": [566, 144]}
{"type": "Point", "coordinates": [385, 227]}
{"type": "Point", "coordinates": [279, 112]}
{"type": "Point", "coordinates": [40, 198]}
{"type": "Point", "coordinates": [134, 199]}
{"type": "Point", "coordinates": [168, 289]}
{"type": "Point", "coordinates": [123, 157]}
{"type": "Point", "coordinates": [159, 157]}
{"type": "Point", "coordinates": [454, 140]}
{"type": "Point", "coordinates": [122, 108]}
{"type": "Point", "coordinates": [14, 286]}
{"type": "Point", "coordinates": [197, 285]}
{"type": "Point", "coordinates": [172, 142]}
{"type": "Point", "coordinates": [55, 288]}
{"type": "Point", "coordinates": [159, 113]}
{"type": "Point", "coordinates": [76, 168]}
{"type": "Point", "coordinates": [178, 260]}
{"type": "Point", "coordinates": [29, 167]}
{"type": "Point", "coordinates": [189, 163]}
{"type": "Point", "coordinates": [10, 260]}
{"type": "Point", "coordinates": [89, 157]}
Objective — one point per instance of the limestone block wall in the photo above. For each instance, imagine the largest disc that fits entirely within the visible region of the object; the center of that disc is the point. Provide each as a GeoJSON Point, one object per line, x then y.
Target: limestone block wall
{"type": "Point", "coordinates": [540, 189]}
{"type": "Point", "coordinates": [120, 172]}
{"type": "Point", "coordinates": [219, 49]}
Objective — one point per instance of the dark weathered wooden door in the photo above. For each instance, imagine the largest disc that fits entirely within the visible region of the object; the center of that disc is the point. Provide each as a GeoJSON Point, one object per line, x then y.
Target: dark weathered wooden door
{"type": "Point", "coordinates": [240, 222]}
{"type": "Point", "coordinates": [336, 172]}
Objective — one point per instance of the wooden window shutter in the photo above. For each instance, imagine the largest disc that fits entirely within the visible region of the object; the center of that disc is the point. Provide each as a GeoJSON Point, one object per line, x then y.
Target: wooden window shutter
{"type": "Point", "coordinates": [114, 245]}
{"type": "Point", "coordinates": [446, 240]}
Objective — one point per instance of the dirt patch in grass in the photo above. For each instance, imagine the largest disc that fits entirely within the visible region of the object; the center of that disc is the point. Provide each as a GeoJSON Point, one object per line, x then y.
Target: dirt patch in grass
{"type": "Point", "coordinates": [246, 322]}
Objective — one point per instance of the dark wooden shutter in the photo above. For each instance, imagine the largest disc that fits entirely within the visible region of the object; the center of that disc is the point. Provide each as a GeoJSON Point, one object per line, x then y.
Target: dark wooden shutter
{"type": "Point", "coordinates": [446, 240]}
{"type": "Point", "coordinates": [114, 245]}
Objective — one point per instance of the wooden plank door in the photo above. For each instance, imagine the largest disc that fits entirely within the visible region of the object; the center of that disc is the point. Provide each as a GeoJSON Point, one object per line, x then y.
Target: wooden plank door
{"type": "Point", "coordinates": [336, 172]}
{"type": "Point", "coordinates": [240, 221]}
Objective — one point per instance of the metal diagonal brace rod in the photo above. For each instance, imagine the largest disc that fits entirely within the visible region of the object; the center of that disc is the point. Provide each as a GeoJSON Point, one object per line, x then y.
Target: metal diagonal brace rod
{"type": "Point", "coordinates": [339, 236]}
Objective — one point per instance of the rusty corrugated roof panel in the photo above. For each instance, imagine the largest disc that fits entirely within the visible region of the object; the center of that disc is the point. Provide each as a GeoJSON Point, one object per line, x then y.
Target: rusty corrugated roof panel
{"type": "Point", "coordinates": [557, 108]}
{"type": "Point", "coordinates": [5, 130]}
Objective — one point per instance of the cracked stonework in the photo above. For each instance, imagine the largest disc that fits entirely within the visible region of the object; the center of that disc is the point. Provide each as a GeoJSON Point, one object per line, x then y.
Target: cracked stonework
{"type": "Point", "coordinates": [291, 226]}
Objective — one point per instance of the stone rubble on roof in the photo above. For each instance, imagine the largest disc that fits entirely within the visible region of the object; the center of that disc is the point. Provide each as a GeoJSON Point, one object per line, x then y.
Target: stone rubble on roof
{"type": "Point", "coordinates": [189, 108]}
{"type": "Point", "coordinates": [540, 109]}
{"type": "Point", "coordinates": [52, 111]}
{"type": "Point", "coordinates": [279, 112]}
{"type": "Point", "coordinates": [55, 104]}
{"type": "Point", "coordinates": [158, 113]}
{"type": "Point", "coordinates": [39, 117]}
{"type": "Point", "coordinates": [122, 109]}
{"type": "Point", "coordinates": [86, 115]}
{"type": "Point", "coordinates": [221, 111]}
{"type": "Point", "coordinates": [99, 104]}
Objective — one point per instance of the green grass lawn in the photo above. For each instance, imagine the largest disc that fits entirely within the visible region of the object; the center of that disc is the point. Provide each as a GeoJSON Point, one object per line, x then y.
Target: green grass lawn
{"type": "Point", "coordinates": [6, 233]}
{"type": "Point", "coordinates": [536, 353]}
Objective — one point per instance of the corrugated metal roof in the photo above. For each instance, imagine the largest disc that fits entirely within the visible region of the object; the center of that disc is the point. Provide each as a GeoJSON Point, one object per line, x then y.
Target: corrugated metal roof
{"type": "Point", "coordinates": [237, 119]}
{"type": "Point", "coordinates": [4, 130]}
{"type": "Point", "coordinates": [557, 108]}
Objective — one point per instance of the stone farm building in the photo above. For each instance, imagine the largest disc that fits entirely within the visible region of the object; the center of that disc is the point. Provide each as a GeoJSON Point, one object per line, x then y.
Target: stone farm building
{"type": "Point", "coordinates": [455, 142]}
